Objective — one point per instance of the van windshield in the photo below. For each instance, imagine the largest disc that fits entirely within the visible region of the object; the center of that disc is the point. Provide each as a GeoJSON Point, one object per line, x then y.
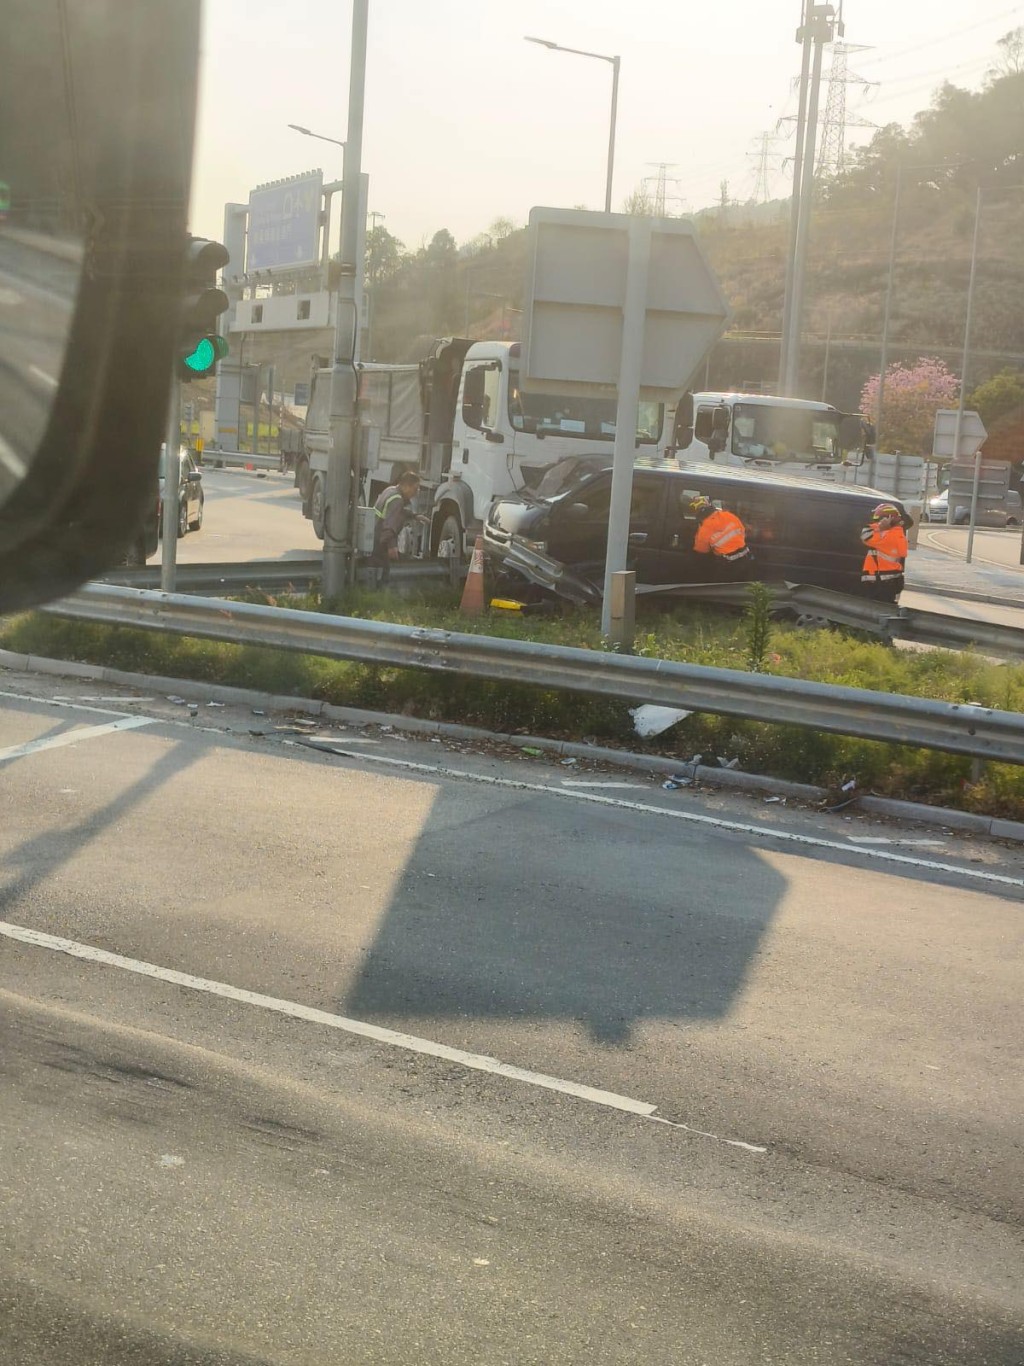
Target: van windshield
{"type": "Point", "coordinates": [774, 433]}
{"type": "Point", "coordinates": [592, 419]}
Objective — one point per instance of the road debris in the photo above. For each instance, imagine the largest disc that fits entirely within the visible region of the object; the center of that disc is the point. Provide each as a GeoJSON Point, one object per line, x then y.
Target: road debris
{"type": "Point", "coordinates": [651, 720]}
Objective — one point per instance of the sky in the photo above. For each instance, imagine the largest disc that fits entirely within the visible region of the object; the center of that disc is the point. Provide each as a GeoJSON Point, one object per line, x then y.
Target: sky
{"type": "Point", "coordinates": [465, 122]}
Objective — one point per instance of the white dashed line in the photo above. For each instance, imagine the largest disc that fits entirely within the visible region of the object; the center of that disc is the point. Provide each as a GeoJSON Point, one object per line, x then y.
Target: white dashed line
{"type": "Point", "coordinates": [72, 737]}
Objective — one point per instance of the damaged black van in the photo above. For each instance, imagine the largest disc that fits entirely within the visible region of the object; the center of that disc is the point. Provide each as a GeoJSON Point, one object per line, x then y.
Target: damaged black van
{"type": "Point", "coordinates": [800, 531]}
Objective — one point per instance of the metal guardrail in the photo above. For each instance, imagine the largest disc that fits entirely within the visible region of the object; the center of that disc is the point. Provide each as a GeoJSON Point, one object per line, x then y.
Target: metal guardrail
{"type": "Point", "coordinates": [889, 622]}
{"type": "Point", "coordinates": [980, 732]}
{"type": "Point", "coordinates": [236, 576]}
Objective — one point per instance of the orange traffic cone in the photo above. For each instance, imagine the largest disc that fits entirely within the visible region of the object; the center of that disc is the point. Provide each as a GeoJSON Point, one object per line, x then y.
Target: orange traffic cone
{"type": "Point", "coordinates": [473, 594]}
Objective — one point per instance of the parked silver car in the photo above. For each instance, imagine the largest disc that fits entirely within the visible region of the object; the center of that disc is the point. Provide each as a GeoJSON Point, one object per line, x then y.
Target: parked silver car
{"type": "Point", "coordinates": [1010, 514]}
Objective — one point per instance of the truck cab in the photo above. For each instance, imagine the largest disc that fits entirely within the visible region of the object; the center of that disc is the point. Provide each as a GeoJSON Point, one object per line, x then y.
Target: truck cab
{"type": "Point", "coordinates": [504, 438]}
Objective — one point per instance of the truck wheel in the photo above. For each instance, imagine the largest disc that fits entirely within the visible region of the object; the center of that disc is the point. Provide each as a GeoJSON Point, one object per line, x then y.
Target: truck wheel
{"type": "Point", "coordinates": [316, 506]}
{"type": "Point", "coordinates": [302, 479]}
{"type": "Point", "coordinates": [451, 530]}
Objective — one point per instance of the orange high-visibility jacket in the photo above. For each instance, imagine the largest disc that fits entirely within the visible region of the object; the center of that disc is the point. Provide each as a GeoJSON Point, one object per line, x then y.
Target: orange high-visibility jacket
{"type": "Point", "coordinates": [721, 533]}
{"type": "Point", "coordinates": [887, 551]}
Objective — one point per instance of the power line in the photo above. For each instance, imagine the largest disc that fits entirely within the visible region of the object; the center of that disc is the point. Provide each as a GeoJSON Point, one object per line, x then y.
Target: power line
{"type": "Point", "coordinates": [944, 37]}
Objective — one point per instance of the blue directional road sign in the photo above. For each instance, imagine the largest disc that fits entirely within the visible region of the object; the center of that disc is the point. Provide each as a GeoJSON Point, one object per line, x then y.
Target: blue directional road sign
{"type": "Point", "coordinates": [284, 223]}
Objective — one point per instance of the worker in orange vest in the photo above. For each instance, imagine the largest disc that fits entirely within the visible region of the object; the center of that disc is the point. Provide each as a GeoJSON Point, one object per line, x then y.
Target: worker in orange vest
{"type": "Point", "coordinates": [721, 535]}
{"type": "Point", "coordinates": [886, 542]}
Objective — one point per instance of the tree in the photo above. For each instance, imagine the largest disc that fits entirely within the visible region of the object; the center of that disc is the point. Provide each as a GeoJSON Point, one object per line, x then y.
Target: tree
{"type": "Point", "coordinates": [1002, 394]}
{"type": "Point", "coordinates": [1010, 61]}
{"type": "Point", "coordinates": [502, 228]}
{"type": "Point", "coordinates": [640, 203]}
{"type": "Point", "coordinates": [384, 255]}
{"type": "Point", "coordinates": [913, 393]}
{"type": "Point", "coordinates": [442, 248]}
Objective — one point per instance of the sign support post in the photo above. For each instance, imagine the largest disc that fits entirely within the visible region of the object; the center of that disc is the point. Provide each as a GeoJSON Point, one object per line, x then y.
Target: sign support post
{"type": "Point", "coordinates": [342, 477]}
{"type": "Point", "coordinates": [617, 305]}
{"type": "Point", "coordinates": [634, 317]}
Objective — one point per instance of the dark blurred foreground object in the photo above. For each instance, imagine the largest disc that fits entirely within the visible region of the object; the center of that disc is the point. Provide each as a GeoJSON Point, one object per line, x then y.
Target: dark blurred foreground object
{"type": "Point", "coordinates": [97, 109]}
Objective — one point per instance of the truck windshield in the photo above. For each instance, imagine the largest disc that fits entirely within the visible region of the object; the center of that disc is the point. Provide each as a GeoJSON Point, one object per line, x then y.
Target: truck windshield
{"type": "Point", "coordinates": [774, 433]}
{"type": "Point", "coordinates": [593, 419]}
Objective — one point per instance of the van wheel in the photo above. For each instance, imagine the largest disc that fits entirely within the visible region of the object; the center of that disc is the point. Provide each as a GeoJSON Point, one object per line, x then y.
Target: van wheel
{"type": "Point", "coordinates": [451, 530]}
{"type": "Point", "coordinates": [316, 506]}
{"type": "Point", "coordinates": [807, 621]}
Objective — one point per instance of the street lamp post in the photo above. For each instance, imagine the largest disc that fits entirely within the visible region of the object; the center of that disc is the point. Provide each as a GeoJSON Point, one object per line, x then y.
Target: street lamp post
{"type": "Point", "coordinates": [614, 62]}
{"type": "Point", "coordinates": [306, 132]}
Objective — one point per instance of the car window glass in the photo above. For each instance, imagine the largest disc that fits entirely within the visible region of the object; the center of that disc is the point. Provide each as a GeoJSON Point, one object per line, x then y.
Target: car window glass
{"type": "Point", "coordinates": [598, 499]}
{"type": "Point", "coordinates": [644, 504]}
{"type": "Point", "coordinates": [680, 510]}
{"type": "Point", "coordinates": [704, 425]}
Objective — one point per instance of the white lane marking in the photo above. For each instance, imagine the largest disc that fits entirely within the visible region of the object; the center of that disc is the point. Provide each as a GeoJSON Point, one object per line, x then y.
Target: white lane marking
{"type": "Point", "coordinates": [42, 375]}
{"type": "Point", "coordinates": [478, 1062]}
{"type": "Point", "coordinates": [72, 737]}
{"type": "Point", "coordinates": [693, 817]}
{"type": "Point", "coordinates": [59, 701]}
{"type": "Point", "coordinates": [580, 782]}
{"type": "Point", "coordinates": [11, 461]}
{"type": "Point", "coordinates": [125, 700]}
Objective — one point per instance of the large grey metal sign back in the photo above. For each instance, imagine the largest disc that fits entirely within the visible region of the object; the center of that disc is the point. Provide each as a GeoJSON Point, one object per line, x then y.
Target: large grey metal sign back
{"type": "Point", "coordinates": [574, 311]}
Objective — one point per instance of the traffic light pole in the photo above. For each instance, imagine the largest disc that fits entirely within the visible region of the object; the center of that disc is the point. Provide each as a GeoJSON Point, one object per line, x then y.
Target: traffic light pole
{"type": "Point", "coordinates": [169, 557]}
{"type": "Point", "coordinates": [342, 474]}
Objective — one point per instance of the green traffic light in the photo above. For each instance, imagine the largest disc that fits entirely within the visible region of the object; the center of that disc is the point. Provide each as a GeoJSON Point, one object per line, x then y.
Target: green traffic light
{"type": "Point", "coordinates": [206, 355]}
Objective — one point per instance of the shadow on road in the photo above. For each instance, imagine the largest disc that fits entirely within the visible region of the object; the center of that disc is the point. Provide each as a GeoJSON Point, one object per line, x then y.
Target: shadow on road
{"type": "Point", "coordinates": [44, 854]}
{"type": "Point", "coordinates": [558, 910]}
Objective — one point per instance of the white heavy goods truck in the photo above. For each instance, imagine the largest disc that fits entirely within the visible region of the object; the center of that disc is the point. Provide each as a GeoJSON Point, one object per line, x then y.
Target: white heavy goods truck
{"type": "Point", "coordinates": [460, 418]}
{"type": "Point", "coordinates": [793, 436]}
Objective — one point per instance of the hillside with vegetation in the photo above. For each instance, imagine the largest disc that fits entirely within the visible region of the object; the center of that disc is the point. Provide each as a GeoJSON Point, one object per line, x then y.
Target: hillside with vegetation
{"type": "Point", "coordinates": [964, 140]}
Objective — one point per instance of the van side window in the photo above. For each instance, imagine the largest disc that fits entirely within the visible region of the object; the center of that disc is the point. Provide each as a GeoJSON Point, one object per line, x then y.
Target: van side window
{"type": "Point", "coordinates": [704, 425]}
{"type": "Point", "coordinates": [758, 514]}
{"type": "Point", "coordinates": [679, 510]}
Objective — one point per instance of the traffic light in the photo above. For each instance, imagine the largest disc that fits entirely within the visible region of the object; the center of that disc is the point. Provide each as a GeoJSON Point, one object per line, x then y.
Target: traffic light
{"type": "Point", "coordinates": [200, 345]}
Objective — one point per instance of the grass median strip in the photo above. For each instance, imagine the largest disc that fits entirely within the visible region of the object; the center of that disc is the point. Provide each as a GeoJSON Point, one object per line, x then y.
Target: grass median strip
{"type": "Point", "coordinates": [696, 635]}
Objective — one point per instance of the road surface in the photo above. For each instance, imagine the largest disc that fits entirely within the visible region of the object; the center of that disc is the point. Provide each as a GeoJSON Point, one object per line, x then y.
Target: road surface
{"type": "Point", "coordinates": [1001, 549]}
{"type": "Point", "coordinates": [480, 1060]}
{"type": "Point", "coordinates": [248, 517]}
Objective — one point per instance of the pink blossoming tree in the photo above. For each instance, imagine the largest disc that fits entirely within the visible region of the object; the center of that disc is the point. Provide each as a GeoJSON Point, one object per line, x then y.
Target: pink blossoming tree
{"type": "Point", "coordinates": [912, 395]}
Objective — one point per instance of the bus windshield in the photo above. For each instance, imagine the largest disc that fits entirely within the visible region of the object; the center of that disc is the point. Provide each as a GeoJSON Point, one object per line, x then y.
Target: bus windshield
{"type": "Point", "coordinates": [592, 419]}
{"type": "Point", "coordinates": [774, 433]}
